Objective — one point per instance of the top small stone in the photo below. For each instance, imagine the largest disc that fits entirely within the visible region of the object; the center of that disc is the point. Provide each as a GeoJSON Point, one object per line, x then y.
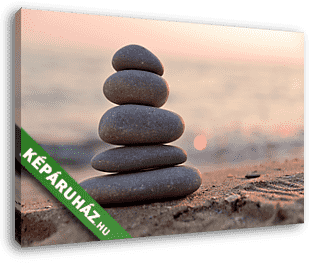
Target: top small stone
{"type": "Point", "coordinates": [137, 57]}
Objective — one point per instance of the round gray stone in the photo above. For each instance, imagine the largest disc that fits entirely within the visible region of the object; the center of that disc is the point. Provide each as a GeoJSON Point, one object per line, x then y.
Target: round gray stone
{"type": "Point", "coordinates": [136, 87]}
{"type": "Point", "coordinates": [137, 124]}
{"type": "Point", "coordinates": [171, 182]}
{"type": "Point", "coordinates": [137, 57]}
{"type": "Point", "coordinates": [124, 159]}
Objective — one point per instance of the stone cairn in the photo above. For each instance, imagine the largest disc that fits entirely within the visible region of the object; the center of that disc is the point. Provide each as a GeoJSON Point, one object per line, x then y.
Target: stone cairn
{"type": "Point", "coordinates": [144, 168]}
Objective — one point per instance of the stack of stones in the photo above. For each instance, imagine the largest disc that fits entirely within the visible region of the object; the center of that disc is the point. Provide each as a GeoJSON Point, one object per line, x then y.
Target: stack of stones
{"type": "Point", "coordinates": [144, 168]}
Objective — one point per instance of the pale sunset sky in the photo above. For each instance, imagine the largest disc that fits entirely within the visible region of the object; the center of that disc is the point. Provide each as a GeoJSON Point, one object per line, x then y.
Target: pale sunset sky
{"type": "Point", "coordinates": [221, 78]}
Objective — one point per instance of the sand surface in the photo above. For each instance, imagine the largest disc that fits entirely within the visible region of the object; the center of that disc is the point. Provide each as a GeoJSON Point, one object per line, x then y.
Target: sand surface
{"type": "Point", "coordinates": [226, 200]}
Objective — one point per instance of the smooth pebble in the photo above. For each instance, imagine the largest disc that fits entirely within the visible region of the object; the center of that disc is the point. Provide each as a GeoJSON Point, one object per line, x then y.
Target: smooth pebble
{"type": "Point", "coordinates": [137, 57]}
{"type": "Point", "coordinates": [158, 184]}
{"type": "Point", "coordinates": [136, 87]}
{"type": "Point", "coordinates": [137, 124]}
{"type": "Point", "coordinates": [250, 176]}
{"type": "Point", "coordinates": [124, 159]}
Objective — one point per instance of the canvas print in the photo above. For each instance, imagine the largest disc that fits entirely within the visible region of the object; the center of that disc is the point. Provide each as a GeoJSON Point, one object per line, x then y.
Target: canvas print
{"type": "Point", "coordinates": [168, 128]}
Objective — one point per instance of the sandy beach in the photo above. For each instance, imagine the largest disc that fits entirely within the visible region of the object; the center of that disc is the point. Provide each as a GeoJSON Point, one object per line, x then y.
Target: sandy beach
{"type": "Point", "coordinates": [225, 200]}
{"type": "Point", "coordinates": [238, 90]}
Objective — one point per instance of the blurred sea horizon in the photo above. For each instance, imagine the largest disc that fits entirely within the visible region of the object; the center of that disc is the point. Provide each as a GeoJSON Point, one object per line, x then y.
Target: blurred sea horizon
{"type": "Point", "coordinates": [62, 96]}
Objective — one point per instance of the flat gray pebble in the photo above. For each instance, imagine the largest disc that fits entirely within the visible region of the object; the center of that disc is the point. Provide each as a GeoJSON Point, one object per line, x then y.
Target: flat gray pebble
{"type": "Point", "coordinates": [124, 159]}
{"type": "Point", "coordinates": [144, 186]}
{"type": "Point", "coordinates": [137, 125]}
{"type": "Point", "coordinates": [136, 87]}
{"type": "Point", "coordinates": [137, 57]}
{"type": "Point", "coordinates": [250, 176]}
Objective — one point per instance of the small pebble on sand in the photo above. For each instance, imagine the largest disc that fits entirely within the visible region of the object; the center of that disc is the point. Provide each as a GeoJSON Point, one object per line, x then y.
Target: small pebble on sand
{"type": "Point", "coordinates": [252, 175]}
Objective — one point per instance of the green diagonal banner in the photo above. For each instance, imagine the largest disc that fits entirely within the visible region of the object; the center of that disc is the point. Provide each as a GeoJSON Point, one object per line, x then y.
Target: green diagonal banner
{"type": "Point", "coordinates": [44, 168]}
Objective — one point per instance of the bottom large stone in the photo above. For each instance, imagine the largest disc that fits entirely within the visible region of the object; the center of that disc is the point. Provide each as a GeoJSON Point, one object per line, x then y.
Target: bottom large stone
{"type": "Point", "coordinates": [151, 185]}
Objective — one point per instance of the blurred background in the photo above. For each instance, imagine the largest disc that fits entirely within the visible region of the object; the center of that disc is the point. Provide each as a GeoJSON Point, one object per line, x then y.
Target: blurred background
{"type": "Point", "coordinates": [240, 91]}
